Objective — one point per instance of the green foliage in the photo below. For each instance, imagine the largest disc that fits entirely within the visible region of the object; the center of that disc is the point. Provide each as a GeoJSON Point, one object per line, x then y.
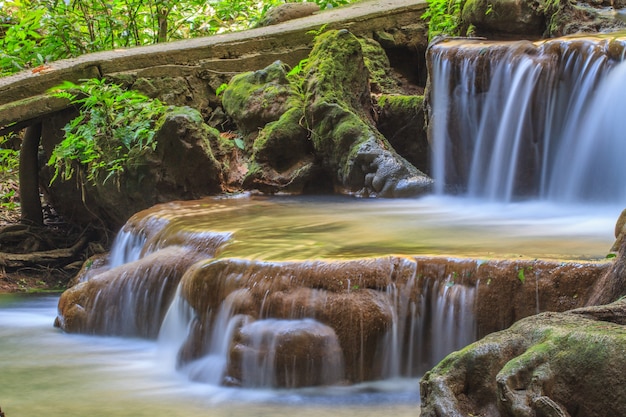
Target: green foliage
{"type": "Point", "coordinates": [521, 275]}
{"type": "Point", "coordinates": [9, 167]}
{"type": "Point", "coordinates": [221, 89]}
{"type": "Point", "coordinates": [443, 17]}
{"type": "Point", "coordinates": [36, 32]}
{"type": "Point", "coordinates": [113, 128]}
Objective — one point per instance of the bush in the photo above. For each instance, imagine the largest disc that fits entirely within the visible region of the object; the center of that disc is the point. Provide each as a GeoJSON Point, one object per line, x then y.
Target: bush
{"type": "Point", "coordinates": [113, 129]}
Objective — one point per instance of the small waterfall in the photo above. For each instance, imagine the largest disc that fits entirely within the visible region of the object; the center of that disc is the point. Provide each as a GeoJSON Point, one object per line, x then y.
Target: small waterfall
{"type": "Point", "coordinates": [522, 120]}
{"type": "Point", "coordinates": [126, 248]}
{"type": "Point", "coordinates": [427, 329]}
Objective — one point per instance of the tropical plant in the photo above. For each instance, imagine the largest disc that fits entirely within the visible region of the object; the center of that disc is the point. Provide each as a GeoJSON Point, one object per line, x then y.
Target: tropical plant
{"type": "Point", "coordinates": [9, 165]}
{"type": "Point", "coordinates": [35, 32]}
{"type": "Point", "coordinates": [114, 127]}
{"type": "Point", "coordinates": [443, 17]}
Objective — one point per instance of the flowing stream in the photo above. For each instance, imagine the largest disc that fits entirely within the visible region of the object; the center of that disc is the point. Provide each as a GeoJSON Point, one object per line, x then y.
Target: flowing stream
{"type": "Point", "coordinates": [56, 374]}
{"type": "Point", "coordinates": [500, 213]}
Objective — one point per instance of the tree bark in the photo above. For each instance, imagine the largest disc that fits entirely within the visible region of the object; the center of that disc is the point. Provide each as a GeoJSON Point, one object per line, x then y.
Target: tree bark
{"type": "Point", "coordinates": [29, 176]}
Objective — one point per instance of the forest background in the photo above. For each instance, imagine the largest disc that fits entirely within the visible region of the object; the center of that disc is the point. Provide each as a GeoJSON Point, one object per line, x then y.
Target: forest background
{"type": "Point", "coordinates": [36, 32]}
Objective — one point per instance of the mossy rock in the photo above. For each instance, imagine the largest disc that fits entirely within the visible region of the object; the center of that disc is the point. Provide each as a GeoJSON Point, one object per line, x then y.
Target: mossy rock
{"type": "Point", "coordinates": [381, 77]}
{"type": "Point", "coordinates": [355, 154]}
{"type": "Point", "coordinates": [551, 364]}
{"type": "Point", "coordinates": [401, 120]}
{"type": "Point", "coordinates": [254, 99]}
{"type": "Point", "coordinates": [534, 19]}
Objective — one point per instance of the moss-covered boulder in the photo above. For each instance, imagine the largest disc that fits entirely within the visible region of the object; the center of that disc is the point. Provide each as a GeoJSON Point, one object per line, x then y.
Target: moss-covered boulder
{"type": "Point", "coordinates": [402, 120]}
{"type": "Point", "coordinates": [552, 364]}
{"type": "Point", "coordinates": [534, 19]}
{"type": "Point", "coordinates": [356, 155]}
{"type": "Point", "coordinates": [181, 166]}
{"type": "Point", "coordinates": [311, 128]}
{"type": "Point", "coordinates": [254, 99]}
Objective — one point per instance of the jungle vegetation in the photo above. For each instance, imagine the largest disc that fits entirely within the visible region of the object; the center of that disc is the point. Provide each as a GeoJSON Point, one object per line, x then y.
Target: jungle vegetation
{"type": "Point", "coordinates": [34, 32]}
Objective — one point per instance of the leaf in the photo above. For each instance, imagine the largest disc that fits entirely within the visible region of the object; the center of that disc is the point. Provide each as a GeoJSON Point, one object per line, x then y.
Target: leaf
{"type": "Point", "coordinates": [240, 143]}
{"type": "Point", "coordinates": [521, 276]}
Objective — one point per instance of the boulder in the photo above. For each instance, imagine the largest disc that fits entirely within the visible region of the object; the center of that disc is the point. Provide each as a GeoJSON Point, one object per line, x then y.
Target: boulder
{"type": "Point", "coordinates": [182, 166]}
{"type": "Point", "coordinates": [338, 111]}
{"type": "Point", "coordinates": [311, 129]}
{"type": "Point", "coordinates": [288, 11]}
{"type": "Point", "coordinates": [522, 19]}
{"type": "Point", "coordinates": [551, 364]}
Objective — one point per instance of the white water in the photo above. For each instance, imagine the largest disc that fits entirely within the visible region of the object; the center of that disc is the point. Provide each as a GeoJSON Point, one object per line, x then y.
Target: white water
{"type": "Point", "coordinates": [48, 373]}
{"type": "Point", "coordinates": [536, 129]}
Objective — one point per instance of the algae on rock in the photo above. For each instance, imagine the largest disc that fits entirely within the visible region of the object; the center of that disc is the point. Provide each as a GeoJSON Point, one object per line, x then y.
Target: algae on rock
{"type": "Point", "coordinates": [312, 128]}
{"type": "Point", "coordinates": [551, 364]}
{"type": "Point", "coordinates": [355, 154]}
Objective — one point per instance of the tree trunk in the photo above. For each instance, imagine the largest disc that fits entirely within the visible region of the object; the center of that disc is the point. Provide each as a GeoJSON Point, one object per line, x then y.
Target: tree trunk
{"type": "Point", "coordinates": [29, 176]}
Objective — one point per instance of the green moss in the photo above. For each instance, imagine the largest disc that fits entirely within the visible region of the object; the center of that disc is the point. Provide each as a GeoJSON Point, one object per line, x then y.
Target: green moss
{"type": "Point", "coordinates": [282, 143]}
{"type": "Point", "coordinates": [335, 70]}
{"type": "Point", "coordinates": [401, 103]}
{"type": "Point", "coordinates": [377, 64]}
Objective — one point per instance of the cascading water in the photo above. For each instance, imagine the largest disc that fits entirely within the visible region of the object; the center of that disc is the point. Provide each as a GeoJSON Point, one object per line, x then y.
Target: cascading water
{"type": "Point", "coordinates": [523, 120]}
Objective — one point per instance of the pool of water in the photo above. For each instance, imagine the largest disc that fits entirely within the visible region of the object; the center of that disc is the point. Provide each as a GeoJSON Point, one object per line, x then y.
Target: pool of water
{"type": "Point", "coordinates": [286, 228]}
{"type": "Point", "coordinates": [48, 373]}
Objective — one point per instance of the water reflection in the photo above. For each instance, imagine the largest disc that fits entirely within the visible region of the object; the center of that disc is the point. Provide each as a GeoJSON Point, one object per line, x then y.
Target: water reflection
{"type": "Point", "coordinates": [288, 228]}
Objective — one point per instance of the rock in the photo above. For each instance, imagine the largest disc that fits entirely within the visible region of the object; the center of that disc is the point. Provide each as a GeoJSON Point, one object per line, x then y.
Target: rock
{"type": "Point", "coordinates": [401, 120]}
{"type": "Point", "coordinates": [312, 130]}
{"type": "Point", "coordinates": [551, 364]}
{"type": "Point", "coordinates": [108, 303]}
{"type": "Point", "coordinates": [254, 99]}
{"type": "Point", "coordinates": [286, 353]}
{"type": "Point", "coordinates": [182, 166]}
{"type": "Point", "coordinates": [338, 110]}
{"type": "Point", "coordinates": [612, 284]}
{"type": "Point", "coordinates": [291, 291]}
{"type": "Point", "coordinates": [522, 19]}
{"type": "Point", "coordinates": [288, 11]}
{"type": "Point", "coordinates": [504, 16]}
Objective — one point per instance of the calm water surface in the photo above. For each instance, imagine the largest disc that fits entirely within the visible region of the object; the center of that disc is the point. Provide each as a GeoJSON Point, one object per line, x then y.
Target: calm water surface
{"type": "Point", "coordinates": [342, 227]}
{"type": "Point", "coordinates": [48, 373]}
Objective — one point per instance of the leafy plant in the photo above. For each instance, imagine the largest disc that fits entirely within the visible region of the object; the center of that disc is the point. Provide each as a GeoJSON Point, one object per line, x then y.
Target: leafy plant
{"type": "Point", "coordinates": [443, 17]}
{"type": "Point", "coordinates": [521, 275]}
{"type": "Point", "coordinates": [9, 166]}
{"type": "Point", "coordinates": [113, 128]}
{"type": "Point", "coordinates": [35, 32]}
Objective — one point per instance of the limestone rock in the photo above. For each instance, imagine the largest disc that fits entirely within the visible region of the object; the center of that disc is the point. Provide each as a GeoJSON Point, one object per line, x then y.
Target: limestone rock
{"type": "Point", "coordinates": [552, 364]}
{"type": "Point", "coordinates": [288, 11]}
{"type": "Point", "coordinates": [356, 155]}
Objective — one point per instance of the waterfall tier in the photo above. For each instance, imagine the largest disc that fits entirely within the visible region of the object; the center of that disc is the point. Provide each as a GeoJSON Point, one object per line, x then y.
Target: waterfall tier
{"type": "Point", "coordinates": [225, 320]}
{"type": "Point", "coordinates": [529, 120]}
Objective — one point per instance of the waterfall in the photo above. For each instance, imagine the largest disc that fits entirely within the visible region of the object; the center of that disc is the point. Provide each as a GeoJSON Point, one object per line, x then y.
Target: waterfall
{"type": "Point", "coordinates": [522, 120]}
{"type": "Point", "coordinates": [426, 329]}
